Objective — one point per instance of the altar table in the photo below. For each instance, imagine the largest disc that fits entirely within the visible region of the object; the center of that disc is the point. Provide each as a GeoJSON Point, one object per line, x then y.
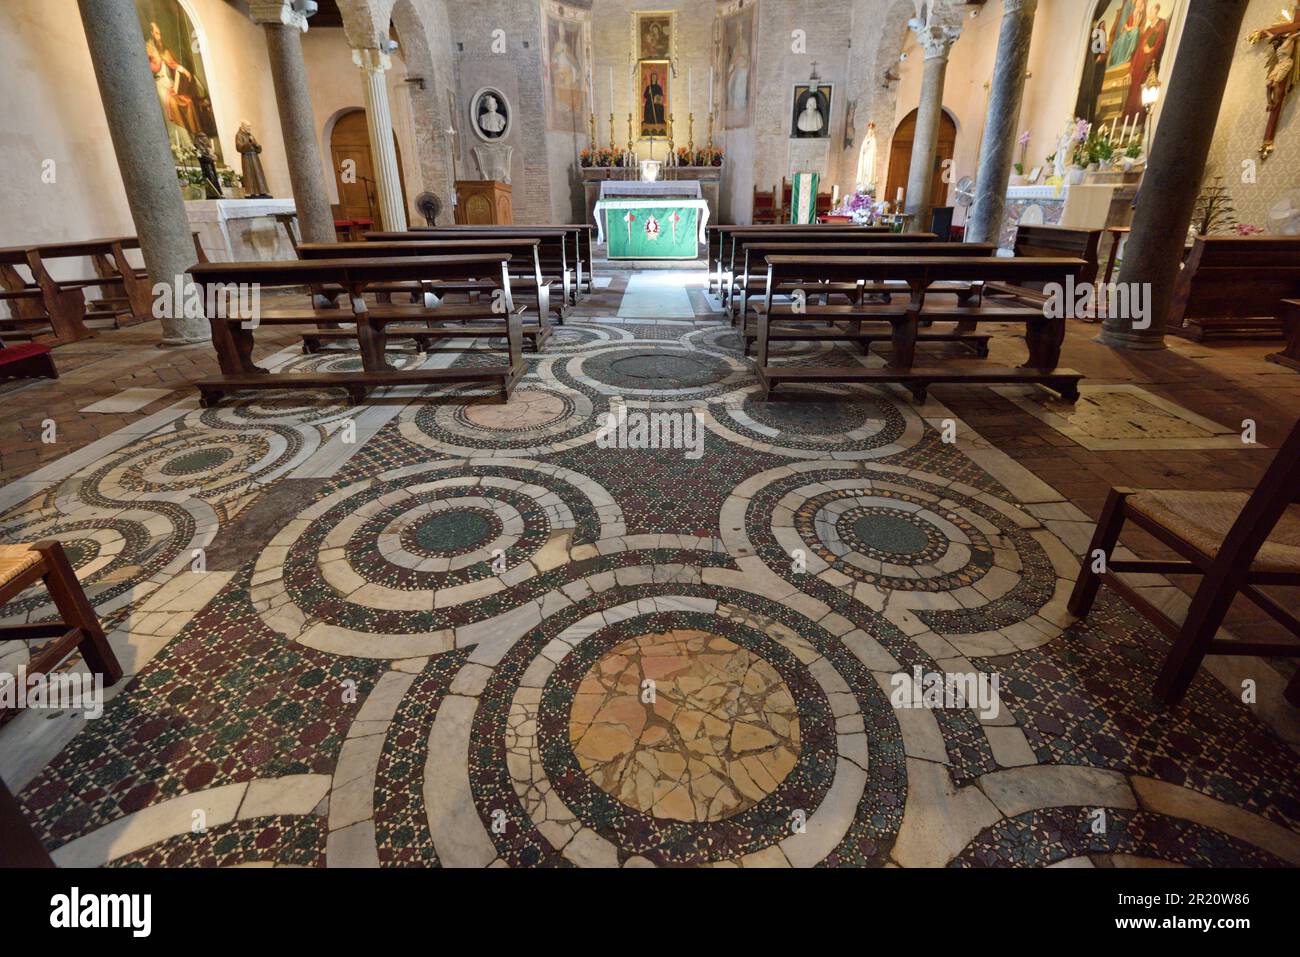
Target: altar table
{"type": "Point", "coordinates": [652, 228]}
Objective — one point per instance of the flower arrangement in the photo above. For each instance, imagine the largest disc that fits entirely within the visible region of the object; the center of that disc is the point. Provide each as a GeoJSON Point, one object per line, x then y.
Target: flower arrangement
{"type": "Point", "coordinates": [862, 207]}
{"type": "Point", "coordinates": [601, 156]}
{"type": "Point", "coordinates": [1248, 229]}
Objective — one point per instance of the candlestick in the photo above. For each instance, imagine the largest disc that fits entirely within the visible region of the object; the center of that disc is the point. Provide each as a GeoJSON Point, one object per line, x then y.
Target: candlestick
{"type": "Point", "coordinates": [592, 119]}
{"type": "Point", "coordinates": [710, 131]}
{"type": "Point", "coordinates": [690, 135]}
{"type": "Point", "coordinates": [611, 132]}
{"type": "Point", "coordinates": [669, 158]}
{"type": "Point", "coordinates": [630, 142]}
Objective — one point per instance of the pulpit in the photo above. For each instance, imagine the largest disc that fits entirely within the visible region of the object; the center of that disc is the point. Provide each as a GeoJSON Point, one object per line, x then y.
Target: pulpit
{"type": "Point", "coordinates": [484, 202]}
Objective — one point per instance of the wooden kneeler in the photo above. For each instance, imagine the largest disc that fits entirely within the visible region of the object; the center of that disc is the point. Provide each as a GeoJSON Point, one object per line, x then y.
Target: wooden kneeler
{"type": "Point", "coordinates": [1236, 541]}
{"type": "Point", "coordinates": [22, 566]}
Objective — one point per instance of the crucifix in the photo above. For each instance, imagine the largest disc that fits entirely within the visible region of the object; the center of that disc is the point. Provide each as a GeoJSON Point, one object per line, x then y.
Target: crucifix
{"type": "Point", "coordinates": [1283, 70]}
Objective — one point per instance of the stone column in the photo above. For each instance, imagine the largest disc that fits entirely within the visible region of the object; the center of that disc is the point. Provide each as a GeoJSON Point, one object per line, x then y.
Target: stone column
{"type": "Point", "coordinates": [383, 152]}
{"type": "Point", "coordinates": [1169, 189]}
{"type": "Point", "coordinates": [144, 156]}
{"type": "Point", "coordinates": [998, 149]}
{"type": "Point", "coordinates": [297, 123]}
{"type": "Point", "coordinates": [936, 41]}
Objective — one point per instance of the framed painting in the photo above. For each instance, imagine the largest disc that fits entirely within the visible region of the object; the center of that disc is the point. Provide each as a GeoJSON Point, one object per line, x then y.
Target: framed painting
{"type": "Point", "coordinates": [171, 40]}
{"type": "Point", "coordinates": [654, 34]}
{"type": "Point", "coordinates": [738, 64]}
{"type": "Point", "coordinates": [566, 67]}
{"type": "Point", "coordinates": [811, 111]}
{"type": "Point", "coordinates": [1125, 42]}
{"type": "Point", "coordinates": [655, 105]}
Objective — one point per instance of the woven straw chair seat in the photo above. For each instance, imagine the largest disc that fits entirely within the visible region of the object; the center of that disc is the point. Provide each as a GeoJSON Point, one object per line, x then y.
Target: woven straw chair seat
{"type": "Point", "coordinates": [1202, 519]}
{"type": "Point", "coordinates": [16, 559]}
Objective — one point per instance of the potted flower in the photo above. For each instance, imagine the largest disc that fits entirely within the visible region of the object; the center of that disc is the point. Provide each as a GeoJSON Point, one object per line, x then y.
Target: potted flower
{"type": "Point", "coordinates": [233, 183]}
{"type": "Point", "coordinates": [685, 157]}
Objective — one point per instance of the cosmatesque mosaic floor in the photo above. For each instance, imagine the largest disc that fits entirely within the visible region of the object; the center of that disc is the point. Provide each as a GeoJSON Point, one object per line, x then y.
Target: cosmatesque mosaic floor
{"type": "Point", "coordinates": [467, 634]}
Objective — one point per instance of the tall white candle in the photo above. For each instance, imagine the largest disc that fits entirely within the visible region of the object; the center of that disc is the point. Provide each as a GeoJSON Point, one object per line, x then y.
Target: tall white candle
{"type": "Point", "coordinates": [611, 92]}
{"type": "Point", "coordinates": [710, 89]}
{"type": "Point", "coordinates": [898, 200]}
{"type": "Point", "coordinates": [690, 87]}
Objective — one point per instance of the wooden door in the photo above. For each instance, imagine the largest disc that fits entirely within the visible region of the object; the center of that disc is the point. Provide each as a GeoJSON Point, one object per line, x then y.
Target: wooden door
{"type": "Point", "coordinates": [900, 157]}
{"type": "Point", "coordinates": [350, 140]}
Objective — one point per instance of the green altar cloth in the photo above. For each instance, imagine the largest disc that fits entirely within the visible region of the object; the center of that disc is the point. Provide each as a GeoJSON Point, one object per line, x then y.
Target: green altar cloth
{"type": "Point", "coordinates": [652, 229]}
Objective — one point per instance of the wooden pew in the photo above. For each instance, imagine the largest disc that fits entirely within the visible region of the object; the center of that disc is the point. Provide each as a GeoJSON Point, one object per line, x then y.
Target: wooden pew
{"type": "Point", "coordinates": [720, 254]}
{"type": "Point", "coordinates": [578, 254]}
{"type": "Point", "coordinates": [1290, 356]}
{"type": "Point", "coordinates": [1051, 242]}
{"type": "Point", "coordinates": [232, 336]}
{"type": "Point", "coordinates": [553, 251]}
{"type": "Point", "coordinates": [46, 305]}
{"type": "Point", "coordinates": [743, 282]}
{"type": "Point", "coordinates": [756, 254]}
{"type": "Point", "coordinates": [1233, 286]}
{"type": "Point", "coordinates": [1043, 335]}
{"type": "Point", "coordinates": [525, 280]}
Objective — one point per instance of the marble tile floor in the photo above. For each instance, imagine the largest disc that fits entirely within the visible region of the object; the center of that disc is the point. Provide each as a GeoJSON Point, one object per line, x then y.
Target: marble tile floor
{"type": "Point", "coordinates": [466, 634]}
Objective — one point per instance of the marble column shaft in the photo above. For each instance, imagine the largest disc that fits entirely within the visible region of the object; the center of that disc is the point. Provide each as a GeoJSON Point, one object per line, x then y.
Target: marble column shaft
{"type": "Point", "coordinates": [298, 127]}
{"type": "Point", "coordinates": [1167, 197]}
{"type": "Point", "coordinates": [144, 156]}
{"type": "Point", "coordinates": [997, 152]}
{"type": "Point", "coordinates": [383, 151]}
{"type": "Point", "coordinates": [925, 142]}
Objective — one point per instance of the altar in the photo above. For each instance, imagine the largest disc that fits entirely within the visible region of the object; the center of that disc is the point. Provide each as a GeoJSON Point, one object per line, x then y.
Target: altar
{"type": "Point", "coordinates": [652, 228]}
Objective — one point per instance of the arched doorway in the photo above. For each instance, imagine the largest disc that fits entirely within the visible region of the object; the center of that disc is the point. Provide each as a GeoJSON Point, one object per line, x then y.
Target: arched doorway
{"type": "Point", "coordinates": [900, 157]}
{"type": "Point", "coordinates": [350, 151]}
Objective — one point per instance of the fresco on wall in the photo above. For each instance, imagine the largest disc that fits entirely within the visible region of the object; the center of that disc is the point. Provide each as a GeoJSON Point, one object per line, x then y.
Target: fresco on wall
{"type": "Point", "coordinates": [654, 35]}
{"type": "Point", "coordinates": [737, 67]}
{"type": "Point", "coordinates": [1127, 40]}
{"type": "Point", "coordinates": [566, 57]}
{"type": "Point", "coordinates": [172, 42]}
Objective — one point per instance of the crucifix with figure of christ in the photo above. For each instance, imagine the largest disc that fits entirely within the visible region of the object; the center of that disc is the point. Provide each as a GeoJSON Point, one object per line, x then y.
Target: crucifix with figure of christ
{"type": "Point", "coordinates": [1283, 70]}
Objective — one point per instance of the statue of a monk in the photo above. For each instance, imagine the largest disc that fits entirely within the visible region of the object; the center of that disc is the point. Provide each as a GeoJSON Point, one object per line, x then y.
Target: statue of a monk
{"type": "Point", "coordinates": [250, 152]}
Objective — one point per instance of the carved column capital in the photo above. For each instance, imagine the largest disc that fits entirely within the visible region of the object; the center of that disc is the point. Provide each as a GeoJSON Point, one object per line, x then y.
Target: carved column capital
{"type": "Point", "coordinates": [276, 12]}
{"type": "Point", "coordinates": [936, 38]}
{"type": "Point", "coordinates": [371, 59]}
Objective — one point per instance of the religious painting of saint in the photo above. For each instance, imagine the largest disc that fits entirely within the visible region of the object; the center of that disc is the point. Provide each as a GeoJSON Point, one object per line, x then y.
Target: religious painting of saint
{"type": "Point", "coordinates": [654, 35]}
{"type": "Point", "coordinates": [811, 117]}
{"type": "Point", "coordinates": [1126, 43]}
{"type": "Point", "coordinates": [654, 98]}
{"type": "Point", "coordinates": [566, 59]}
{"type": "Point", "coordinates": [737, 66]}
{"type": "Point", "coordinates": [172, 43]}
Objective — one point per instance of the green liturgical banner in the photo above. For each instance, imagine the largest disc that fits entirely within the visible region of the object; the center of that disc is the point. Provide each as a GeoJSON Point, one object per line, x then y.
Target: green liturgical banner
{"type": "Point", "coordinates": [658, 231]}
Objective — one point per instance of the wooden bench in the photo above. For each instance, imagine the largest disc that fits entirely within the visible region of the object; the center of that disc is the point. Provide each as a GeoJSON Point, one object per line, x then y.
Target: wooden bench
{"type": "Point", "coordinates": [232, 336]}
{"type": "Point", "coordinates": [45, 305]}
{"type": "Point", "coordinates": [528, 282]}
{"type": "Point", "coordinates": [27, 360]}
{"type": "Point", "coordinates": [1043, 335]}
{"type": "Point", "coordinates": [1051, 242]}
{"type": "Point", "coordinates": [736, 239]}
{"type": "Point", "coordinates": [1233, 287]}
{"type": "Point", "coordinates": [718, 246]}
{"type": "Point", "coordinates": [1236, 541]}
{"type": "Point", "coordinates": [577, 260]}
{"type": "Point", "coordinates": [751, 268]}
{"type": "Point", "coordinates": [1290, 356]}
{"type": "Point", "coordinates": [856, 312]}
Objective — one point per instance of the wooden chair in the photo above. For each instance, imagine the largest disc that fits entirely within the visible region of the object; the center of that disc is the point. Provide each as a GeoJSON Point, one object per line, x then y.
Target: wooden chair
{"type": "Point", "coordinates": [1232, 287]}
{"type": "Point", "coordinates": [765, 207]}
{"type": "Point", "coordinates": [1236, 541]}
{"type": "Point", "coordinates": [22, 566]}
{"type": "Point", "coordinates": [822, 206]}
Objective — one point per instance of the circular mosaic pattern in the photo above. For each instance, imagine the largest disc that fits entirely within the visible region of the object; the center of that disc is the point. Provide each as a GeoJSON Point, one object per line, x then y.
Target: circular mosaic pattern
{"type": "Point", "coordinates": [451, 532]}
{"type": "Point", "coordinates": [641, 371]}
{"type": "Point", "coordinates": [213, 464]}
{"type": "Point", "coordinates": [828, 421]}
{"type": "Point", "coordinates": [535, 421]}
{"type": "Point", "coordinates": [197, 462]}
{"type": "Point", "coordinates": [685, 725]}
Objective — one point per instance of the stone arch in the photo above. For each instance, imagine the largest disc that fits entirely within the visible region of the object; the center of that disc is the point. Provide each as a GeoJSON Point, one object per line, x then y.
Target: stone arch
{"type": "Point", "coordinates": [428, 97]}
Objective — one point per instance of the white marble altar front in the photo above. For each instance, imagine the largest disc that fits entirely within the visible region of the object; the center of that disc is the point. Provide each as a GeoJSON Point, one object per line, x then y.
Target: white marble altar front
{"type": "Point", "coordinates": [239, 230]}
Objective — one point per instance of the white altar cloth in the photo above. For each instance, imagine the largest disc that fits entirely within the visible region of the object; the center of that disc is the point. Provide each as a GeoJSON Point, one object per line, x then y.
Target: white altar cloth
{"type": "Point", "coordinates": [611, 188]}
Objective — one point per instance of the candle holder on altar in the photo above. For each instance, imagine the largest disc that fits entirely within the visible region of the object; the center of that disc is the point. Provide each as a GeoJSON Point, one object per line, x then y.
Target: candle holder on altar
{"type": "Point", "coordinates": [710, 147]}
{"type": "Point", "coordinates": [668, 160]}
{"type": "Point", "coordinates": [611, 132]}
{"type": "Point", "coordinates": [690, 135]}
{"type": "Point", "coordinates": [592, 120]}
